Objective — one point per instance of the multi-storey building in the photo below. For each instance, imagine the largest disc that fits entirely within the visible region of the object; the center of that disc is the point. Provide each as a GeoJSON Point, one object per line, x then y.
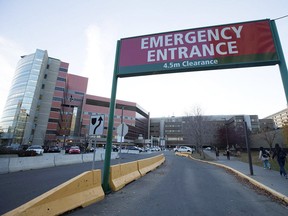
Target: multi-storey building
{"type": "Point", "coordinates": [252, 122]}
{"type": "Point", "coordinates": [135, 117]}
{"type": "Point", "coordinates": [47, 105]}
{"type": "Point", "coordinates": [179, 131]}
{"type": "Point", "coordinates": [166, 132]}
{"type": "Point", "coordinates": [267, 124]}
{"type": "Point", "coordinates": [280, 118]}
{"type": "Point", "coordinates": [26, 114]}
{"type": "Point", "coordinates": [66, 110]}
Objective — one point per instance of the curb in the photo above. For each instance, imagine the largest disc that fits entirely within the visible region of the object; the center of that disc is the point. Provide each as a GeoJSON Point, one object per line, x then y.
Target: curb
{"type": "Point", "coordinates": [272, 192]}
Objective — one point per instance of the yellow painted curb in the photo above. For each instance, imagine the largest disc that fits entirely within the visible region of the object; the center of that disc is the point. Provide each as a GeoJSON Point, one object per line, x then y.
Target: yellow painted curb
{"type": "Point", "coordinates": [274, 193]}
{"type": "Point", "coordinates": [82, 190]}
{"type": "Point", "coordinates": [183, 154]}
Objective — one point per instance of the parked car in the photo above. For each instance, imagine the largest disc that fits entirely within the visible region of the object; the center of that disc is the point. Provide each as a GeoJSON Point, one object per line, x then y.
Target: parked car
{"type": "Point", "coordinates": [184, 149]}
{"type": "Point", "coordinates": [155, 148]}
{"type": "Point", "coordinates": [53, 149]}
{"type": "Point", "coordinates": [114, 148]}
{"type": "Point", "coordinates": [74, 150]}
{"type": "Point", "coordinates": [67, 148]}
{"type": "Point", "coordinates": [146, 149]}
{"type": "Point", "coordinates": [133, 148]}
{"type": "Point", "coordinates": [37, 148]}
{"type": "Point", "coordinates": [141, 149]}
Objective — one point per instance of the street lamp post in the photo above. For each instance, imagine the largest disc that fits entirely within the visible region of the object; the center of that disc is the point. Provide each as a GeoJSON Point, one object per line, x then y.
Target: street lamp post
{"type": "Point", "coordinates": [122, 125]}
{"type": "Point", "coordinates": [226, 133]}
{"type": "Point", "coordinates": [248, 147]}
{"type": "Point", "coordinates": [64, 140]}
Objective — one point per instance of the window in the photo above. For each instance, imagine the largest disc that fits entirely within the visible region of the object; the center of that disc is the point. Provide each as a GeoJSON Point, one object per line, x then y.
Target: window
{"type": "Point", "coordinates": [45, 76]}
{"type": "Point", "coordinates": [43, 86]}
{"type": "Point", "coordinates": [80, 93]}
{"type": "Point", "coordinates": [59, 89]}
{"type": "Point", "coordinates": [63, 69]}
{"type": "Point", "coordinates": [57, 99]}
{"type": "Point", "coordinates": [61, 79]}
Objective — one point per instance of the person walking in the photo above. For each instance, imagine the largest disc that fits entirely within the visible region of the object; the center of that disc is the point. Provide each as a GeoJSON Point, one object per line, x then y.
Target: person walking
{"type": "Point", "coordinates": [217, 153]}
{"type": "Point", "coordinates": [281, 158]}
{"type": "Point", "coordinates": [228, 154]}
{"type": "Point", "coordinates": [264, 155]}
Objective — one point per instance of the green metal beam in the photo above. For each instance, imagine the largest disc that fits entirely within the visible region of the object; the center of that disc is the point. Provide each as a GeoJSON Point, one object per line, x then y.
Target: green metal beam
{"type": "Point", "coordinates": [282, 62]}
{"type": "Point", "coordinates": [105, 182]}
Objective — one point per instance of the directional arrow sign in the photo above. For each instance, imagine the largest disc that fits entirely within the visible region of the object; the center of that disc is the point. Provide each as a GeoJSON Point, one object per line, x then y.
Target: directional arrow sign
{"type": "Point", "coordinates": [96, 125]}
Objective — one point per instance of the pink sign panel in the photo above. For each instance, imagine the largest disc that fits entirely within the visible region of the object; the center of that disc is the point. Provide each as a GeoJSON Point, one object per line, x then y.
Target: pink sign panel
{"type": "Point", "coordinates": [216, 47]}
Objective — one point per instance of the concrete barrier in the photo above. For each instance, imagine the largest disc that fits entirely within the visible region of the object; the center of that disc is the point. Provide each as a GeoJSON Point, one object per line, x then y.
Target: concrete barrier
{"type": "Point", "coordinates": [122, 174]}
{"type": "Point", "coordinates": [85, 188]}
{"type": "Point", "coordinates": [26, 163]}
{"type": "Point", "coordinates": [99, 156]}
{"type": "Point", "coordinates": [67, 159]}
{"type": "Point", "coordinates": [14, 164]}
{"type": "Point", "coordinates": [82, 190]}
{"type": "Point", "coordinates": [4, 165]}
{"type": "Point", "coordinates": [127, 151]}
{"type": "Point", "coordinates": [89, 157]}
{"type": "Point", "coordinates": [149, 164]}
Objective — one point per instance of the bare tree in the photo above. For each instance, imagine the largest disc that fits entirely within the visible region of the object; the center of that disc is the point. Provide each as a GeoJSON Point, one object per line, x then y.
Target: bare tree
{"type": "Point", "coordinates": [285, 133]}
{"type": "Point", "coordinates": [268, 136]}
{"type": "Point", "coordinates": [222, 137]}
{"type": "Point", "coordinates": [197, 130]}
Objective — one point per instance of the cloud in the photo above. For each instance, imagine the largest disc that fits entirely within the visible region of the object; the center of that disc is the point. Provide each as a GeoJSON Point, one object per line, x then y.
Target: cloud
{"type": "Point", "coordinates": [10, 54]}
{"type": "Point", "coordinates": [95, 67]}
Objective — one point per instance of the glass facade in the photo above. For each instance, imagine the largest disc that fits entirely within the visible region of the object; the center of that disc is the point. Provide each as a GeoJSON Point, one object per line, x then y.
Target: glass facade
{"type": "Point", "coordinates": [23, 97]}
{"type": "Point", "coordinates": [46, 106]}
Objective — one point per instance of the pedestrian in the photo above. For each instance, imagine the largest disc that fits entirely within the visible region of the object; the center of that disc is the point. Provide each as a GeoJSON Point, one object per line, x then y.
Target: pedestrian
{"type": "Point", "coordinates": [281, 158]}
{"type": "Point", "coordinates": [264, 155]}
{"type": "Point", "coordinates": [228, 154]}
{"type": "Point", "coordinates": [217, 153]}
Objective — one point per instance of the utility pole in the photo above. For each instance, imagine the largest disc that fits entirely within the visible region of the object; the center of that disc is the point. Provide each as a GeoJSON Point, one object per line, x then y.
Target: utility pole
{"type": "Point", "coordinates": [122, 125]}
{"type": "Point", "coordinates": [226, 133]}
{"type": "Point", "coordinates": [248, 147]}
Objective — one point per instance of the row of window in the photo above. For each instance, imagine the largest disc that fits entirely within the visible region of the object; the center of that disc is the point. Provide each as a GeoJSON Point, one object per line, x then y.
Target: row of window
{"type": "Point", "coordinates": [173, 131]}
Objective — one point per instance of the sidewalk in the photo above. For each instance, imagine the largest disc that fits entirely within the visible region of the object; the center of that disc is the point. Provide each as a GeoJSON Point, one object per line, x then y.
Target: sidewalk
{"type": "Point", "coordinates": [269, 178]}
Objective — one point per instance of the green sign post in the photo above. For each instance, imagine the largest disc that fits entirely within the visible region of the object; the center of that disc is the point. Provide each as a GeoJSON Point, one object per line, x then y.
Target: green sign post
{"type": "Point", "coordinates": [282, 62]}
{"type": "Point", "coordinates": [105, 182]}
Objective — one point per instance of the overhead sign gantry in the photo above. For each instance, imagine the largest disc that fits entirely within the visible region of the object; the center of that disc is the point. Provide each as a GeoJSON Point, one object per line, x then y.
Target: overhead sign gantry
{"type": "Point", "coordinates": [246, 44]}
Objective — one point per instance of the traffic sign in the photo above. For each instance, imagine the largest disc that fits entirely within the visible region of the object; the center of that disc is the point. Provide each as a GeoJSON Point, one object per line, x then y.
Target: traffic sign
{"type": "Point", "coordinates": [125, 130]}
{"type": "Point", "coordinates": [96, 125]}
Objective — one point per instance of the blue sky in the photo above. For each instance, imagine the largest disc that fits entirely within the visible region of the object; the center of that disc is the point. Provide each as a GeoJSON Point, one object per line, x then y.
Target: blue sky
{"type": "Point", "coordinates": [84, 33]}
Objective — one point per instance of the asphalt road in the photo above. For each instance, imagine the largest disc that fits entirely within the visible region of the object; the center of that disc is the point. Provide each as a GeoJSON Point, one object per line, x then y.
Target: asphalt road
{"type": "Point", "coordinates": [20, 187]}
{"type": "Point", "coordinates": [182, 186]}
